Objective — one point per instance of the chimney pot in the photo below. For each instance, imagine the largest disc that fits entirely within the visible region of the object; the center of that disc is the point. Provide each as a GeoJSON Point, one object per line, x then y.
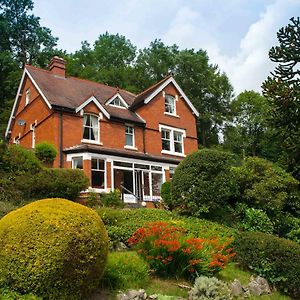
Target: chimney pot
{"type": "Point", "coordinates": [58, 66]}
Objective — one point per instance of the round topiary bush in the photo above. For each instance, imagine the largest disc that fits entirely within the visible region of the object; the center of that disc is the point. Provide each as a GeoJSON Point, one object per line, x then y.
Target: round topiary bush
{"type": "Point", "coordinates": [53, 248]}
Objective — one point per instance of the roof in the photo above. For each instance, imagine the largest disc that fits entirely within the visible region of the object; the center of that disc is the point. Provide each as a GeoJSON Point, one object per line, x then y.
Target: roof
{"type": "Point", "coordinates": [139, 100]}
{"type": "Point", "coordinates": [71, 92]}
{"type": "Point", "coordinates": [124, 153]}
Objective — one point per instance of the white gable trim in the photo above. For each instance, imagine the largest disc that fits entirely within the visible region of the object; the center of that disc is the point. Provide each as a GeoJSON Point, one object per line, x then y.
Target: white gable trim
{"type": "Point", "coordinates": [37, 87]}
{"type": "Point", "coordinates": [161, 87]}
{"type": "Point", "coordinates": [109, 101]}
{"type": "Point", "coordinates": [25, 72]}
{"type": "Point", "coordinates": [97, 103]}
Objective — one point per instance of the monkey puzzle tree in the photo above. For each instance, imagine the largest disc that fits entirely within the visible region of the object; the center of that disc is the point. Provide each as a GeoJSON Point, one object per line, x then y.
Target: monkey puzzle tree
{"type": "Point", "coordinates": [282, 88]}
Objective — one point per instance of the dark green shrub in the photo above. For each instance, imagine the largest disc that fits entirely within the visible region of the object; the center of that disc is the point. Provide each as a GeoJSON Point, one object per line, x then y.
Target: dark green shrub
{"type": "Point", "coordinates": [125, 270]}
{"type": "Point", "coordinates": [276, 259]}
{"type": "Point", "coordinates": [93, 199]}
{"type": "Point", "coordinates": [201, 183]}
{"type": "Point", "coordinates": [53, 248]}
{"type": "Point", "coordinates": [264, 185]}
{"type": "Point", "coordinates": [59, 183]}
{"type": "Point", "coordinates": [257, 220]}
{"type": "Point", "coordinates": [165, 193]}
{"type": "Point", "coordinates": [20, 160]}
{"type": "Point", "coordinates": [45, 152]}
{"type": "Point", "coordinates": [112, 199]}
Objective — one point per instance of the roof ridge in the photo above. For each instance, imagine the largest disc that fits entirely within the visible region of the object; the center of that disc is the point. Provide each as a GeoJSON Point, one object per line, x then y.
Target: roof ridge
{"type": "Point", "coordinates": [156, 84]}
{"type": "Point", "coordinates": [83, 79]}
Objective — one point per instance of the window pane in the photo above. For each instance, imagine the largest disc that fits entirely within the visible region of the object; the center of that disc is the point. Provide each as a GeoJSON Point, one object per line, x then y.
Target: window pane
{"type": "Point", "coordinates": [77, 163]}
{"type": "Point", "coordinates": [178, 147]}
{"type": "Point", "coordinates": [166, 145]}
{"type": "Point", "coordinates": [177, 136]}
{"type": "Point", "coordinates": [98, 179]}
{"type": "Point", "coordinates": [129, 140]}
{"type": "Point", "coordinates": [156, 168]}
{"type": "Point", "coordinates": [140, 166]}
{"type": "Point", "coordinates": [156, 183]}
{"type": "Point", "coordinates": [86, 133]}
{"type": "Point", "coordinates": [169, 104]}
{"type": "Point", "coordinates": [122, 164]}
{"type": "Point", "coordinates": [123, 178]}
{"type": "Point", "coordinates": [94, 164]}
{"type": "Point", "coordinates": [172, 171]}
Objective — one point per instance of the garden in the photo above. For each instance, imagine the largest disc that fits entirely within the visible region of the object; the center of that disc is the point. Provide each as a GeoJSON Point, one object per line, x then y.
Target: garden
{"type": "Point", "coordinates": [229, 230]}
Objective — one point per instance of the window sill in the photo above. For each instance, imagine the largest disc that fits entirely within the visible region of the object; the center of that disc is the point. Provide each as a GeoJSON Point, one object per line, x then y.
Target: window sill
{"type": "Point", "coordinates": [173, 153]}
{"type": "Point", "coordinates": [130, 148]}
{"type": "Point", "coordinates": [171, 115]}
{"type": "Point", "coordinates": [91, 142]}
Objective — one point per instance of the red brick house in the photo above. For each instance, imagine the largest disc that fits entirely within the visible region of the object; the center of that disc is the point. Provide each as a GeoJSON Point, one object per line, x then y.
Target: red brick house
{"type": "Point", "coordinates": [119, 139]}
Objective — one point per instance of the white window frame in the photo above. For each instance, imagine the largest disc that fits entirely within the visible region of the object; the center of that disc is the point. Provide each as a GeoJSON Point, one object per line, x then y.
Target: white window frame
{"type": "Point", "coordinates": [96, 141]}
{"type": "Point", "coordinates": [27, 96]}
{"type": "Point", "coordinates": [99, 170]}
{"type": "Point", "coordinates": [111, 100]}
{"type": "Point", "coordinates": [172, 140]}
{"type": "Point", "coordinates": [73, 162]}
{"type": "Point", "coordinates": [175, 99]}
{"type": "Point", "coordinates": [132, 147]}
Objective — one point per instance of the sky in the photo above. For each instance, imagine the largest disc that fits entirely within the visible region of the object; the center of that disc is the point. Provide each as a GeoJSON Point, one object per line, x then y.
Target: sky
{"type": "Point", "coordinates": [237, 34]}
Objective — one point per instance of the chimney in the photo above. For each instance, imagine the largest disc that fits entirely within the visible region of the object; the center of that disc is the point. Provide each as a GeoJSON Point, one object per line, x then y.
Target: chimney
{"type": "Point", "coordinates": [58, 66]}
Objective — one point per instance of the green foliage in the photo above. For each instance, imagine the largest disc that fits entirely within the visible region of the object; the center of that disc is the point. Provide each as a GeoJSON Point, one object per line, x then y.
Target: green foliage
{"type": "Point", "coordinates": [6, 294]}
{"type": "Point", "coordinates": [263, 185]}
{"type": "Point", "coordinates": [18, 160]}
{"type": "Point", "coordinates": [282, 89]}
{"type": "Point", "coordinates": [201, 183]}
{"type": "Point", "coordinates": [112, 199]}
{"type": "Point", "coordinates": [276, 259]}
{"type": "Point", "coordinates": [165, 193]}
{"type": "Point", "coordinates": [125, 270]}
{"type": "Point", "coordinates": [249, 133]}
{"type": "Point", "coordinates": [93, 199]}
{"type": "Point", "coordinates": [45, 152]}
{"type": "Point", "coordinates": [210, 288]}
{"type": "Point", "coordinates": [294, 232]}
{"type": "Point", "coordinates": [257, 220]}
{"type": "Point", "coordinates": [170, 252]}
{"type": "Point", "coordinates": [53, 248]}
{"type": "Point", "coordinates": [6, 207]}
{"type": "Point", "coordinates": [122, 223]}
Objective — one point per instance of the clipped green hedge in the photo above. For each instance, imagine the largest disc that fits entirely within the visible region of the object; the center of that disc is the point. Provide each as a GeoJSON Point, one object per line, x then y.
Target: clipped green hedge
{"type": "Point", "coordinates": [45, 152]}
{"type": "Point", "coordinates": [276, 259]}
{"type": "Point", "coordinates": [53, 248]}
{"type": "Point", "coordinates": [122, 223]}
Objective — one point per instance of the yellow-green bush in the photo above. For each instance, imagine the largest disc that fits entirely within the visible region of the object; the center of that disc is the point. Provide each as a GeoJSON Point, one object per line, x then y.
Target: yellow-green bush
{"type": "Point", "coordinates": [53, 248]}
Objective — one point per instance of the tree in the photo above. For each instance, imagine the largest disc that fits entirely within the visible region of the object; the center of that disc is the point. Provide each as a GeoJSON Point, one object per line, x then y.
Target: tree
{"type": "Point", "coordinates": [282, 88]}
{"type": "Point", "coordinates": [248, 128]}
{"type": "Point", "coordinates": [208, 89]}
{"type": "Point", "coordinates": [109, 61]}
{"type": "Point", "coordinates": [24, 36]}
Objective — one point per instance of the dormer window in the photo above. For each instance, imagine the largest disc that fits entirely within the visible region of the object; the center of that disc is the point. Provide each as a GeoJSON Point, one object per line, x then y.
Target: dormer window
{"type": "Point", "coordinates": [27, 97]}
{"type": "Point", "coordinates": [117, 101]}
{"type": "Point", "coordinates": [170, 105]}
{"type": "Point", "coordinates": [90, 127]}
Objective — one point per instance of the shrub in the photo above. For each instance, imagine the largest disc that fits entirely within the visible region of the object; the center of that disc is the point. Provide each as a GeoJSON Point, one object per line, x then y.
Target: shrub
{"type": "Point", "coordinates": [45, 152]}
{"type": "Point", "coordinates": [19, 160]}
{"type": "Point", "coordinates": [276, 259]}
{"type": "Point", "coordinates": [112, 199]}
{"type": "Point", "coordinates": [6, 294]}
{"type": "Point", "coordinates": [201, 183]}
{"type": "Point", "coordinates": [257, 220]}
{"type": "Point", "coordinates": [210, 288]}
{"type": "Point", "coordinates": [263, 185]}
{"type": "Point", "coordinates": [125, 270]}
{"type": "Point", "coordinates": [166, 194]}
{"type": "Point", "coordinates": [53, 248]}
{"type": "Point", "coordinates": [170, 252]}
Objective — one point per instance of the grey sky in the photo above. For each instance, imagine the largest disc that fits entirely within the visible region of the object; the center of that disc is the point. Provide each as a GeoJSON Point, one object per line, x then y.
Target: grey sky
{"type": "Point", "coordinates": [237, 34]}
